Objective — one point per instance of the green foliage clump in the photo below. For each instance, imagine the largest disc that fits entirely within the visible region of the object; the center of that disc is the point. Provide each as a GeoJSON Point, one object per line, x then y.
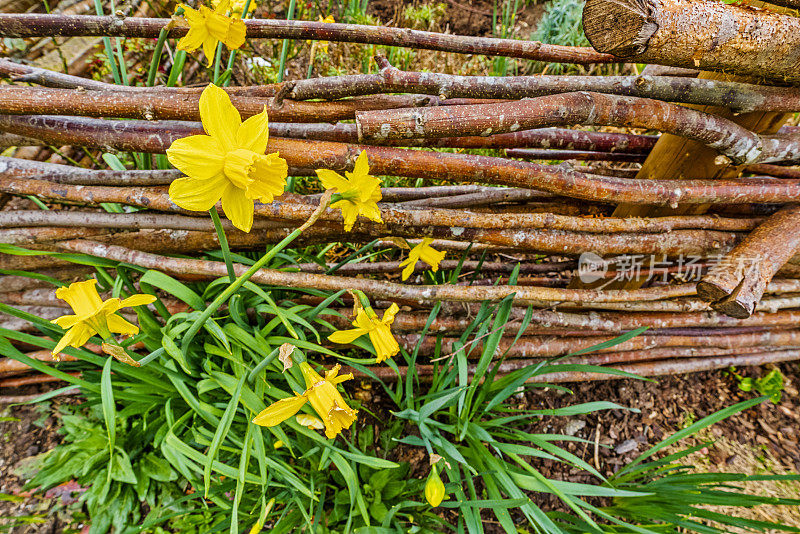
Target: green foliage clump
{"type": "Point", "coordinates": [561, 24]}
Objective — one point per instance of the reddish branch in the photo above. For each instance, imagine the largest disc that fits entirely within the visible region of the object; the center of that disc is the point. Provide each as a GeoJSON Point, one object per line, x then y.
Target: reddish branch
{"type": "Point", "coordinates": [81, 25]}
{"type": "Point", "coordinates": [63, 128]}
{"type": "Point", "coordinates": [580, 155]}
{"type": "Point", "coordinates": [736, 284]}
{"type": "Point", "coordinates": [725, 136]}
{"type": "Point", "coordinates": [18, 100]}
{"type": "Point", "coordinates": [741, 97]}
{"type": "Point", "coordinates": [447, 166]}
{"type": "Point", "coordinates": [698, 34]}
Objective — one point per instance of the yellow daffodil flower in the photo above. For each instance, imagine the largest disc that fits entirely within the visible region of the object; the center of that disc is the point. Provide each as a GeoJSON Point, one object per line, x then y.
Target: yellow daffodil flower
{"type": "Point", "coordinates": [379, 331]}
{"type": "Point", "coordinates": [324, 398]}
{"type": "Point", "coordinates": [207, 28]}
{"type": "Point", "coordinates": [434, 488]}
{"type": "Point", "coordinates": [92, 315]}
{"type": "Point", "coordinates": [228, 163]}
{"type": "Point", "coordinates": [360, 192]}
{"type": "Point", "coordinates": [236, 6]}
{"type": "Point", "coordinates": [425, 252]}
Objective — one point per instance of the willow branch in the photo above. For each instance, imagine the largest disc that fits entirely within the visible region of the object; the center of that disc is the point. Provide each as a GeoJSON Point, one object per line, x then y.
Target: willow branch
{"type": "Point", "coordinates": [20, 100]}
{"type": "Point", "coordinates": [63, 128]}
{"type": "Point", "coordinates": [580, 155]}
{"type": "Point", "coordinates": [737, 143]}
{"type": "Point", "coordinates": [376, 288]}
{"type": "Point", "coordinates": [655, 368]}
{"type": "Point", "coordinates": [448, 166]}
{"type": "Point", "coordinates": [35, 25]}
{"type": "Point", "coordinates": [741, 97]}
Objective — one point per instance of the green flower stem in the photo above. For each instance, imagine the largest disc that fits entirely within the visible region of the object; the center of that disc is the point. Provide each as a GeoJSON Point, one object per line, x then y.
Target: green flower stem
{"type": "Point", "coordinates": [232, 54]}
{"type": "Point", "coordinates": [223, 242]}
{"type": "Point", "coordinates": [239, 282]}
{"type": "Point", "coordinates": [217, 62]}
{"type": "Point", "coordinates": [285, 47]}
{"type": "Point", "coordinates": [154, 63]}
{"type": "Point", "coordinates": [177, 67]}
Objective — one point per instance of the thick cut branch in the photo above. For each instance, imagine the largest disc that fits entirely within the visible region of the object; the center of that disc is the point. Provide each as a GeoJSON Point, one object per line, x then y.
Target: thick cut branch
{"type": "Point", "coordinates": [81, 25]}
{"type": "Point", "coordinates": [736, 285]}
{"type": "Point", "coordinates": [698, 34]}
{"type": "Point", "coordinates": [727, 137]}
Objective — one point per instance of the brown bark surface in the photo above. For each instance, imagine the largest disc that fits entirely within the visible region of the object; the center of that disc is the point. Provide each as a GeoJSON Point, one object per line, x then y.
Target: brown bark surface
{"type": "Point", "coordinates": [700, 34]}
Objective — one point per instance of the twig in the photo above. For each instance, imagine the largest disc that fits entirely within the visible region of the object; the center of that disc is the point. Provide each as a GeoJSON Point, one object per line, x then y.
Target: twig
{"type": "Point", "coordinates": [78, 25]}
{"type": "Point", "coordinates": [742, 97]}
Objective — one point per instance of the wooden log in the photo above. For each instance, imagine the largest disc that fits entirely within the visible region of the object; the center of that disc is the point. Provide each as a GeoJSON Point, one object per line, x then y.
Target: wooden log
{"type": "Point", "coordinates": [737, 283]}
{"type": "Point", "coordinates": [701, 34]}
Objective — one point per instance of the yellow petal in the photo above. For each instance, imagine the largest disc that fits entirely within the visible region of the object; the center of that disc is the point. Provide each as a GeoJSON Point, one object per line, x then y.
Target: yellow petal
{"type": "Point", "coordinates": [77, 336]}
{"type": "Point", "coordinates": [361, 167]}
{"type": "Point", "coordinates": [194, 38]}
{"type": "Point", "coordinates": [137, 300]}
{"type": "Point", "coordinates": [81, 296]}
{"type": "Point", "coordinates": [339, 418]}
{"type": "Point", "coordinates": [346, 336]}
{"type": "Point", "coordinates": [220, 119]}
{"type": "Point", "coordinates": [383, 341]}
{"type": "Point", "coordinates": [197, 195]}
{"type": "Point", "coordinates": [66, 321]}
{"type": "Point", "coordinates": [332, 180]}
{"type": "Point", "coordinates": [230, 31]}
{"type": "Point", "coordinates": [309, 421]}
{"type": "Point", "coordinates": [198, 156]}
{"type": "Point", "coordinates": [388, 315]}
{"type": "Point", "coordinates": [118, 325]}
{"type": "Point", "coordinates": [280, 411]}
{"type": "Point", "coordinates": [192, 16]}
{"type": "Point", "coordinates": [409, 268]}
{"type": "Point", "coordinates": [371, 212]}
{"type": "Point", "coordinates": [253, 133]}
{"type": "Point", "coordinates": [349, 213]}
{"type": "Point", "coordinates": [269, 178]}
{"type": "Point", "coordinates": [237, 207]}
{"type": "Point", "coordinates": [310, 376]}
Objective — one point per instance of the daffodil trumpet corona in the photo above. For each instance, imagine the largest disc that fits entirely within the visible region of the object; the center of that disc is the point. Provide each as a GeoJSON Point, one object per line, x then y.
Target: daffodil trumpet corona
{"type": "Point", "coordinates": [93, 316]}
{"type": "Point", "coordinates": [359, 193]}
{"type": "Point", "coordinates": [229, 163]}
{"type": "Point", "coordinates": [379, 331]}
{"type": "Point", "coordinates": [324, 398]}
{"type": "Point", "coordinates": [208, 27]}
{"type": "Point", "coordinates": [422, 252]}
